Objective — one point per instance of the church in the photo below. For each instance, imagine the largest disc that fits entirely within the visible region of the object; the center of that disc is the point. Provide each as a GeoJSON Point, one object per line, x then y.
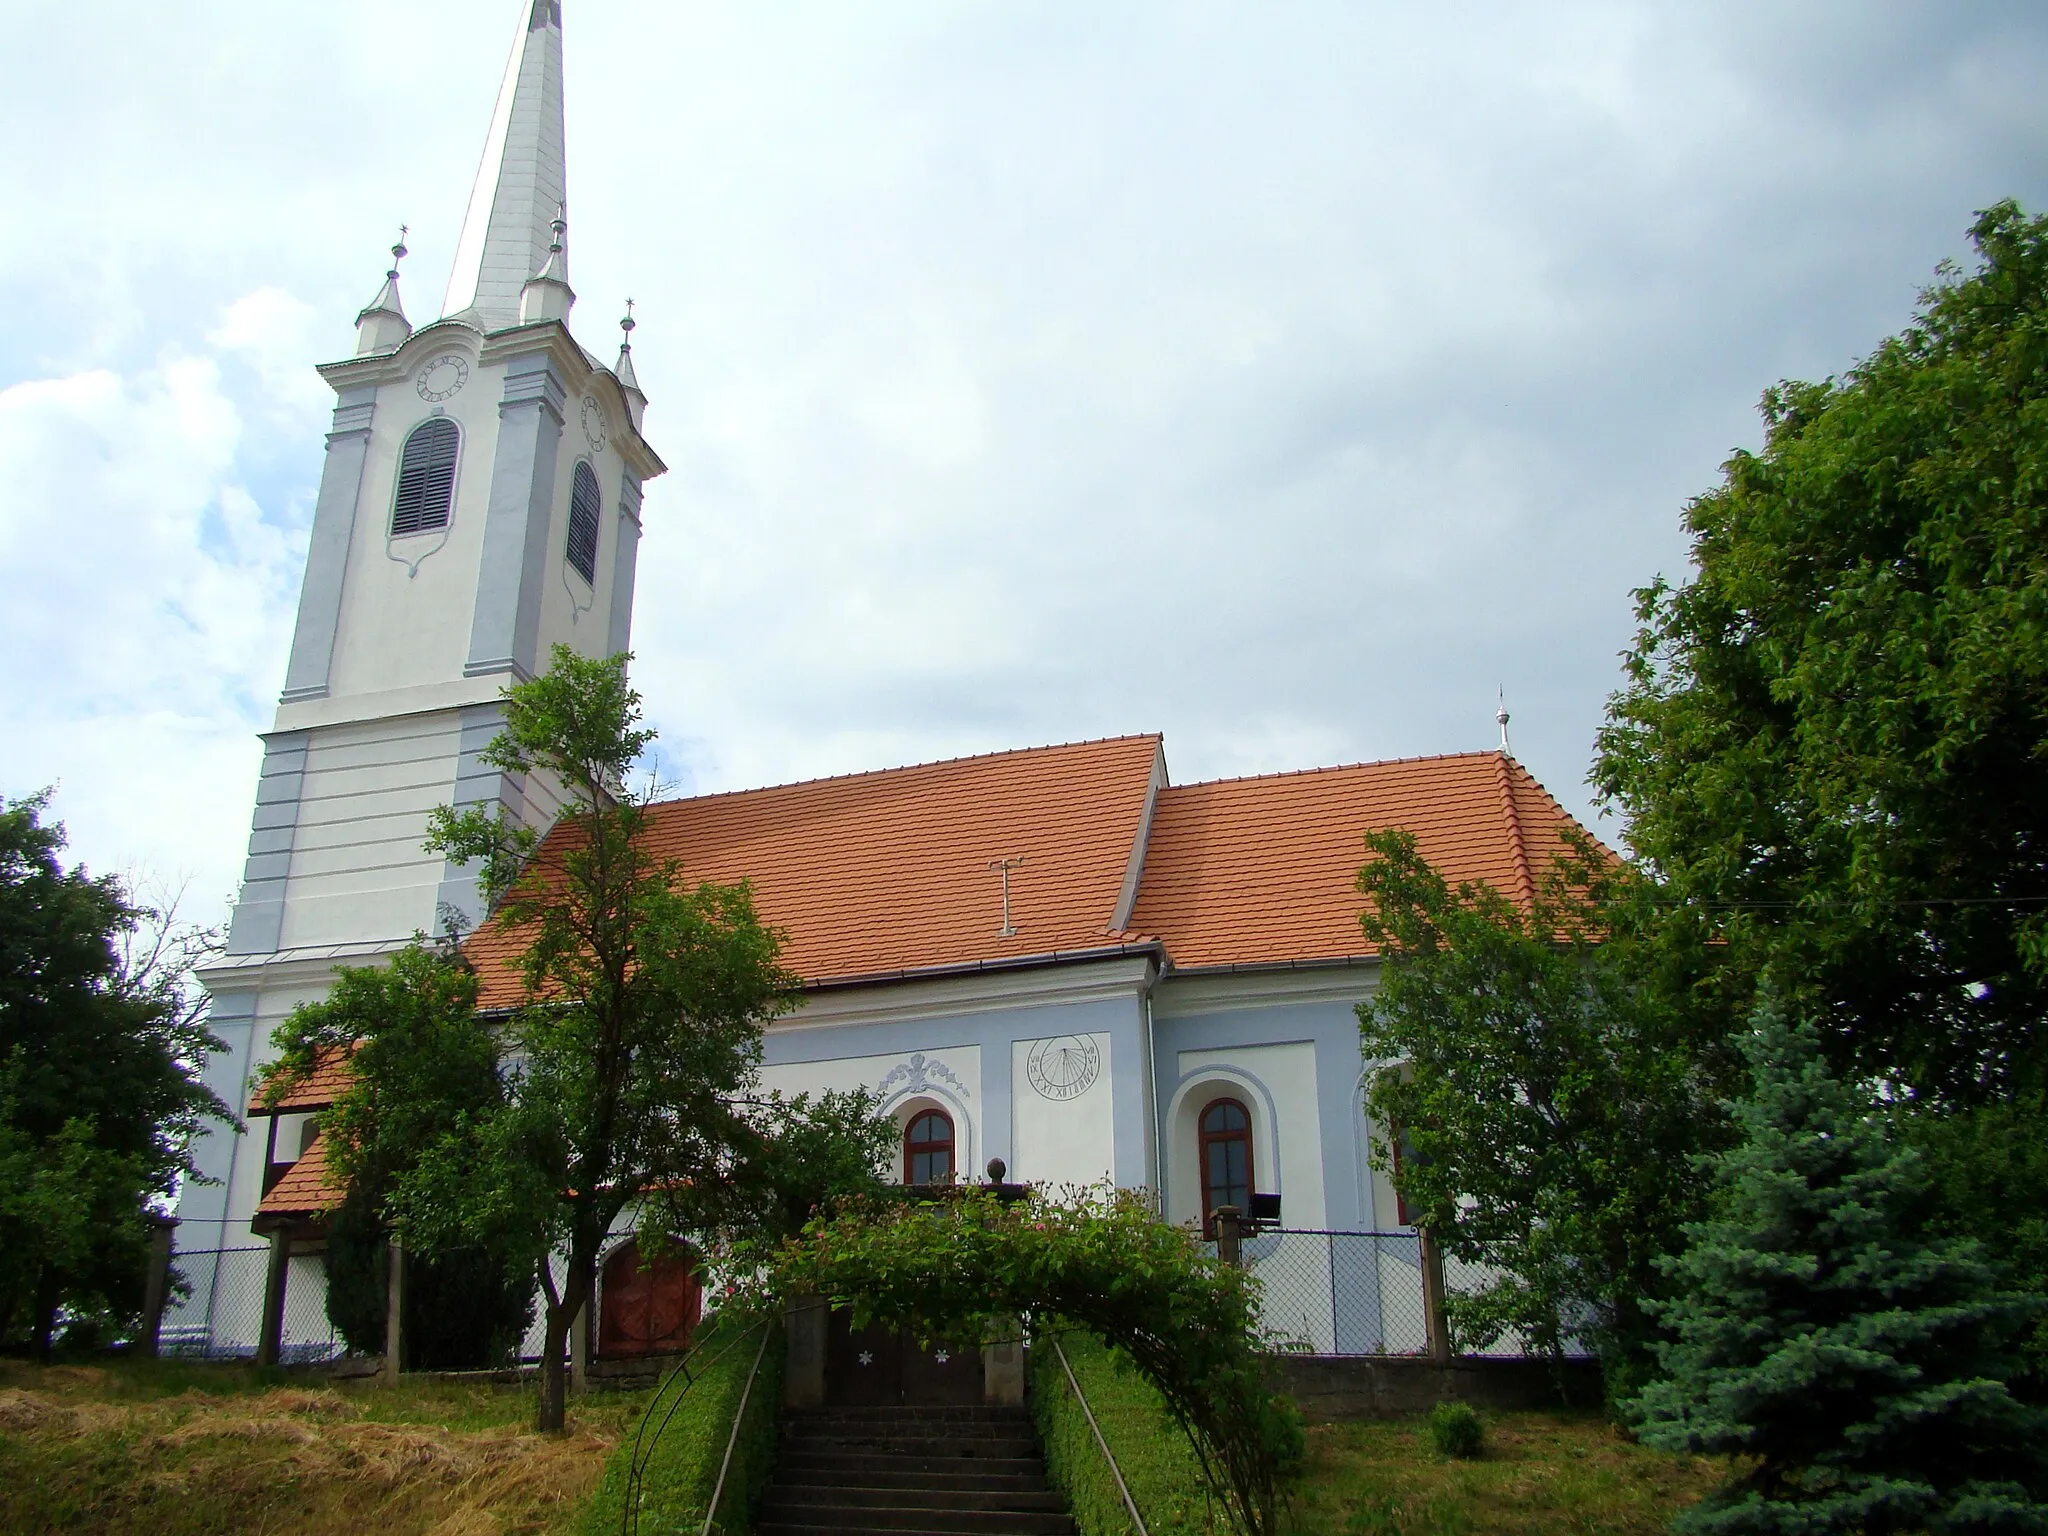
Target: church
{"type": "Point", "coordinates": [1054, 956]}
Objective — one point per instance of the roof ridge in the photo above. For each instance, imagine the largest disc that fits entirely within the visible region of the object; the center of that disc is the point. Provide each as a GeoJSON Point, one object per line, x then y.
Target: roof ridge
{"type": "Point", "coordinates": [1296, 773]}
{"type": "Point", "coordinates": [937, 762]}
{"type": "Point", "coordinates": [1505, 777]}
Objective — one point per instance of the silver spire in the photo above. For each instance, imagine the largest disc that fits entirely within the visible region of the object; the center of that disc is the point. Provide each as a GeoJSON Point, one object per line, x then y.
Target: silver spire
{"type": "Point", "coordinates": [1500, 716]}
{"type": "Point", "coordinates": [522, 181]}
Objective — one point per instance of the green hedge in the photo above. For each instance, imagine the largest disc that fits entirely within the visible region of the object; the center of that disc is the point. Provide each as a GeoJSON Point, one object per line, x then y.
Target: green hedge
{"type": "Point", "coordinates": [683, 1466]}
{"type": "Point", "coordinates": [1154, 1456]}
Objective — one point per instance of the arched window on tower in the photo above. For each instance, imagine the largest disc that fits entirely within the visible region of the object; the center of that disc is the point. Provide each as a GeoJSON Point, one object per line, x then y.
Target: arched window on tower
{"type": "Point", "coordinates": [928, 1148]}
{"type": "Point", "coordinates": [426, 478]}
{"type": "Point", "coordinates": [584, 501]}
{"type": "Point", "coordinates": [1226, 1152]}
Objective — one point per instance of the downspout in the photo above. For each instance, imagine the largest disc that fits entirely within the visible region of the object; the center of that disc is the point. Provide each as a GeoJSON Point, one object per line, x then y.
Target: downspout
{"type": "Point", "coordinates": [1158, 1155]}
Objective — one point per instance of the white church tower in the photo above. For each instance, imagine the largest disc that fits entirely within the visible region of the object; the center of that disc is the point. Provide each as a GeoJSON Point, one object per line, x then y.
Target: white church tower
{"type": "Point", "coordinates": [480, 503]}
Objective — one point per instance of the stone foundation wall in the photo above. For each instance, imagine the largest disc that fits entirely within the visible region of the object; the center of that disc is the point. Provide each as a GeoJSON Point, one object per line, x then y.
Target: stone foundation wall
{"type": "Point", "coordinates": [1384, 1386]}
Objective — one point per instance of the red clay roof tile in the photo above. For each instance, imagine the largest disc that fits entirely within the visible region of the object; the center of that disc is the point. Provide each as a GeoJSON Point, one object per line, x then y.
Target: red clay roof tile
{"type": "Point", "coordinates": [874, 873]}
{"type": "Point", "coordinates": [1264, 870]}
{"type": "Point", "coordinates": [316, 1090]}
{"type": "Point", "coordinates": [307, 1188]}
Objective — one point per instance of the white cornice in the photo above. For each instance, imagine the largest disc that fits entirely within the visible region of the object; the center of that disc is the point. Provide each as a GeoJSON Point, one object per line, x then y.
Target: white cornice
{"type": "Point", "coordinates": [1183, 994]}
{"type": "Point", "coordinates": [389, 703]}
{"type": "Point", "coordinates": [292, 967]}
{"type": "Point", "coordinates": [1111, 980]}
{"type": "Point", "coordinates": [579, 372]}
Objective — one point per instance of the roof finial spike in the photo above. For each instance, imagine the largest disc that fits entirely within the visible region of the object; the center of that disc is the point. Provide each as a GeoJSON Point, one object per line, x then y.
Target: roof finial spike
{"type": "Point", "coordinates": [382, 325]}
{"type": "Point", "coordinates": [623, 369]}
{"type": "Point", "coordinates": [398, 251]}
{"type": "Point", "coordinates": [560, 226]}
{"type": "Point", "coordinates": [1500, 715]}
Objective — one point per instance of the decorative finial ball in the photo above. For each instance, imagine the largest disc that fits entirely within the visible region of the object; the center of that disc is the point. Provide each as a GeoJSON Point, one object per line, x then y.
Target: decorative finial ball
{"type": "Point", "coordinates": [996, 1169]}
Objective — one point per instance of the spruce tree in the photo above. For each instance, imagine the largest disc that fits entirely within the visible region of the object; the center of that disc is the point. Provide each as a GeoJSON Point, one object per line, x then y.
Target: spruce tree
{"type": "Point", "coordinates": [1855, 1362]}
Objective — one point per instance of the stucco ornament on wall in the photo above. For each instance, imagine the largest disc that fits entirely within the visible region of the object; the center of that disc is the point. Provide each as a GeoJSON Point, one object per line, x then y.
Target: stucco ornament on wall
{"type": "Point", "coordinates": [917, 1076]}
{"type": "Point", "coordinates": [1063, 1067]}
{"type": "Point", "coordinates": [442, 378]}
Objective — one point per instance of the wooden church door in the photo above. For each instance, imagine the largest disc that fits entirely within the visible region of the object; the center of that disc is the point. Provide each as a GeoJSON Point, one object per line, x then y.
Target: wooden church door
{"type": "Point", "coordinates": [647, 1309]}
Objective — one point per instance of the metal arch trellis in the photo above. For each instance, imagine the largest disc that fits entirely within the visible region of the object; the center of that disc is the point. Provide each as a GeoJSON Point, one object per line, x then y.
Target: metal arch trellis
{"type": "Point", "coordinates": [689, 1371]}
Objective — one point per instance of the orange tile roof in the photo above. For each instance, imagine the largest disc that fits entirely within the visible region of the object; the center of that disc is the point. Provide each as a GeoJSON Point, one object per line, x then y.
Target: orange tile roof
{"type": "Point", "coordinates": [316, 1090]}
{"type": "Point", "coordinates": [306, 1188]}
{"type": "Point", "coordinates": [1264, 870]}
{"type": "Point", "coordinates": [879, 873]}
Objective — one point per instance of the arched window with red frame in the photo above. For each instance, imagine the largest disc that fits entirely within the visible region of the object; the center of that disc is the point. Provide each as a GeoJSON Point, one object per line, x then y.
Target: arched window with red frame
{"type": "Point", "coordinates": [1226, 1156]}
{"type": "Point", "coordinates": [928, 1148]}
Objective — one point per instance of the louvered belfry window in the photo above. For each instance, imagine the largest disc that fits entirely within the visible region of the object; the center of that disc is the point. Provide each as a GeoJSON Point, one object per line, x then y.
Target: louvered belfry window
{"type": "Point", "coordinates": [584, 500]}
{"type": "Point", "coordinates": [426, 478]}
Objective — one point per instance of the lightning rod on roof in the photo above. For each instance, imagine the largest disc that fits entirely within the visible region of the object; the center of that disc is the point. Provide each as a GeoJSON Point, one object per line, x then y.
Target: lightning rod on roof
{"type": "Point", "coordinates": [1500, 716]}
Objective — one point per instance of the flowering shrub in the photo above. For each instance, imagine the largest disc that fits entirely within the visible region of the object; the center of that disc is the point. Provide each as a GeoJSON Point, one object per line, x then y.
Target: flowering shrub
{"type": "Point", "coordinates": [963, 1269]}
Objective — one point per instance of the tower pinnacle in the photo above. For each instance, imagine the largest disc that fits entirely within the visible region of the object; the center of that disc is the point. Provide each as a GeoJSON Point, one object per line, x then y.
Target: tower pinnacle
{"type": "Point", "coordinates": [522, 182]}
{"type": "Point", "coordinates": [382, 324]}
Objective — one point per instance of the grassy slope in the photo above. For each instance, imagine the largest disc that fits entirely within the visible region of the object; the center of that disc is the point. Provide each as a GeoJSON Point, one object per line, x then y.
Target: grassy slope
{"type": "Point", "coordinates": [171, 1448]}
{"type": "Point", "coordinates": [683, 1462]}
{"type": "Point", "coordinates": [1543, 1474]}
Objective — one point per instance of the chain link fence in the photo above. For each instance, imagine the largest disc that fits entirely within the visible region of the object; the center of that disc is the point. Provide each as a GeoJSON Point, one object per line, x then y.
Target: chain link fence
{"type": "Point", "coordinates": [215, 1309]}
{"type": "Point", "coordinates": [1353, 1293]}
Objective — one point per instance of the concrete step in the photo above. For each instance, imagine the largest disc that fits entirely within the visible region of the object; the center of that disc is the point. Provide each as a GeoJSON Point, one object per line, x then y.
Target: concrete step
{"type": "Point", "coordinates": [853, 1517]}
{"type": "Point", "coordinates": [964, 1447]}
{"type": "Point", "coordinates": [1017, 1500]}
{"type": "Point", "coordinates": [896, 1477]}
{"type": "Point", "coordinates": [814, 1465]}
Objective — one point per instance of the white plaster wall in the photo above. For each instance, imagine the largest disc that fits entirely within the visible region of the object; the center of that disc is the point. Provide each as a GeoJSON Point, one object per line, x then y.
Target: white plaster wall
{"type": "Point", "coordinates": [948, 1078]}
{"type": "Point", "coordinates": [1060, 1141]}
{"type": "Point", "coordinates": [1277, 1083]}
{"type": "Point", "coordinates": [408, 604]}
{"type": "Point", "coordinates": [358, 870]}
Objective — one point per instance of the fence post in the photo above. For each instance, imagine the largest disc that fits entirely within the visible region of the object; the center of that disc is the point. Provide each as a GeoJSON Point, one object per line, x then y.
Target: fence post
{"type": "Point", "coordinates": [394, 1308]}
{"type": "Point", "coordinates": [270, 1342]}
{"type": "Point", "coordinates": [1229, 1234]}
{"type": "Point", "coordinates": [1433, 1298]}
{"type": "Point", "coordinates": [158, 1285]}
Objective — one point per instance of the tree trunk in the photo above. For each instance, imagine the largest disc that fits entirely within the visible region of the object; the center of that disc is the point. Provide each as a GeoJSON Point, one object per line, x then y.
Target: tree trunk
{"type": "Point", "coordinates": [554, 1369]}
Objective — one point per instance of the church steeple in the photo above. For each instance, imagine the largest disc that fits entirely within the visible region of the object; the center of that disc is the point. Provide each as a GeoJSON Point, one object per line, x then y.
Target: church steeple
{"type": "Point", "coordinates": [522, 183]}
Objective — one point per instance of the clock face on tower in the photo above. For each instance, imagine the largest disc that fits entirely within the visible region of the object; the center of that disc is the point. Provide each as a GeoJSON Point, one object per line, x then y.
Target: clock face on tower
{"type": "Point", "coordinates": [1064, 1067]}
{"type": "Point", "coordinates": [593, 424]}
{"type": "Point", "coordinates": [442, 378]}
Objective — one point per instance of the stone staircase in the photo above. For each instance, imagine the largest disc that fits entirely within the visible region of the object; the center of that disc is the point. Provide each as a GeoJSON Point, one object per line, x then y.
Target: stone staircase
{"type": "Point", "coordinates": [911, 1472]}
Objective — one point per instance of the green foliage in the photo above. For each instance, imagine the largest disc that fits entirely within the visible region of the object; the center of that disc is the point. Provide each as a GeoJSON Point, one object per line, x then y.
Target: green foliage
{"type": "Point", "coordinates": [425, 1070]}
{"type": "Point", "coordinates": [1990, 1166]}
{"type": "Point", "coordinates": [1833, 739]}
{"type": "Point", "coordinates": [640, 1030]}
{"type": "Point", "coordinates": [1158, 1464]}
{"type": "Point", "coordinates": [683, 1456]}
{"type": "Point", "coordinates": [1857, 1362]}
{"type": "Point", "coordinates": [1455, 1430]}
{"type": "Point", "coordinates": [1550, 1096]}
{"type": "Point", "coordinates": [102, 1039]}
{"type": "Point", "coordinates": [1097, 1260]}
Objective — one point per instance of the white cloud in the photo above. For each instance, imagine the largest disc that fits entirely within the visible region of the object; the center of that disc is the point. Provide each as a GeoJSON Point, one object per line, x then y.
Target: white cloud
{"type": "Point", "coordinates": [149, 609]}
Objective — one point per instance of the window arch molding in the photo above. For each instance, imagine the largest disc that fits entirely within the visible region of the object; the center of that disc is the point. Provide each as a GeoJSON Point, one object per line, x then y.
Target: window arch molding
{"type": "Point", "coordinates": [1180, 1131]}
{"type": "Point", "coordinates": [586, 518]}
{"type": "Point", "coordinates": [906, 1105]}
{"type": "Point", "coordinates": [423, 491]}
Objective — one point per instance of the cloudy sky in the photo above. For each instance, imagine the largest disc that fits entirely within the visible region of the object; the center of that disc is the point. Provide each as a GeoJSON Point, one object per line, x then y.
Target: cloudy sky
{"type": "Point", "coordinates": [1284, 377]}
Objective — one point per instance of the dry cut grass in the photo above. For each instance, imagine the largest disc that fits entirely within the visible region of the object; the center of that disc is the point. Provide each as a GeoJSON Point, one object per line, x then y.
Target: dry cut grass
{"type": "Point", "coordinates": [1542, 1474]}
{"type": "Point", "coordinates": [175, 1449]}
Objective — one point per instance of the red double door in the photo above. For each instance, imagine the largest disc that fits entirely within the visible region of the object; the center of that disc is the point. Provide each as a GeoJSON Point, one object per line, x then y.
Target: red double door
{"type": "Point", "coordinates": [648, 1309]}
